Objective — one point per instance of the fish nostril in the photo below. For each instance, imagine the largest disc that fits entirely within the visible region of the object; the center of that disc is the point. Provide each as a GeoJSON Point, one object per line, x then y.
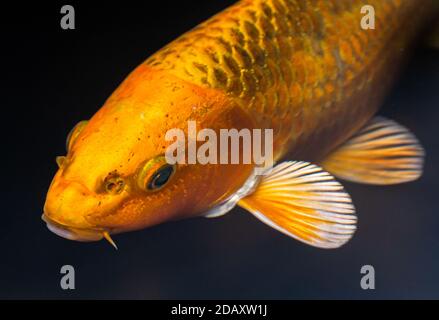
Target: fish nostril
{"type": "Point", "coordinates": [113, 184]}
{"type": "Point", "coordinates": [60, 160]}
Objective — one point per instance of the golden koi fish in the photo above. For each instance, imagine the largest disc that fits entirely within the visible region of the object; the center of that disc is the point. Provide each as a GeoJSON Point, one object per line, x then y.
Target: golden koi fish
{"type": "Point", "coordinates": [304, 68]}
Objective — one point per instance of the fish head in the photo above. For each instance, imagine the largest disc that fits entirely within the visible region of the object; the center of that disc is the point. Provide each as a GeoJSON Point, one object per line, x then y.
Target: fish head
{"type": "Point", "coordinates": [116, 176]}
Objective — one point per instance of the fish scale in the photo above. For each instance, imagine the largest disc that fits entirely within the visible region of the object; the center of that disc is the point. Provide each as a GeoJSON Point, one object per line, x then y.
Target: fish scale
{"type": "Point", "coordinates": [299, 67]}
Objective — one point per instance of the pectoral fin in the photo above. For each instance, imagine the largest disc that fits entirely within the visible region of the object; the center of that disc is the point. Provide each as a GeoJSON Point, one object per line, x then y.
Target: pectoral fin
{"type": "Point", "coordinates": [382, 153]}
{"type": "Point", "coordinates": [302, 201]}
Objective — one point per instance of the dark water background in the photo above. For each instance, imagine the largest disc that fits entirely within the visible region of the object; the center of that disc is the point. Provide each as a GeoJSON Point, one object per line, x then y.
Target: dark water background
{"type": "Point", "coordinates": [52, 79]}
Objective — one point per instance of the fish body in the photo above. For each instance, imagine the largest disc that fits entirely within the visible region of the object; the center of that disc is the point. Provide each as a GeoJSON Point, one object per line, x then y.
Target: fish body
{"type": "Point", "coordinates": [305, 69]}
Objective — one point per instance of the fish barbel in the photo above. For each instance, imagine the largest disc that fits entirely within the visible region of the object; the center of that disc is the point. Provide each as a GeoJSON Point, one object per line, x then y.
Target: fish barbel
{"type": "Point", "coordinates": [307, 69]}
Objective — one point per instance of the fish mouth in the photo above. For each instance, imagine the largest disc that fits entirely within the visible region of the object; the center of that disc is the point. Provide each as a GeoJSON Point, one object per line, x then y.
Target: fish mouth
{"type": "Point", "coordinates": [74, 233]}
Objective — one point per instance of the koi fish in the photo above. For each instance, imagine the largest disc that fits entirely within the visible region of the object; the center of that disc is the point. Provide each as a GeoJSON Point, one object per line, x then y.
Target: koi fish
{"type": "Point", "coordinates": [305, 69]}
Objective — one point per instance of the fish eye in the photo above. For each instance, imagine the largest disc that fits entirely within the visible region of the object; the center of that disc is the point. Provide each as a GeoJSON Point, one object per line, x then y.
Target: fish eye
{"type": "Point", "coordinates": [74, 133]}
{"type": "Point", "coordinates": [160, 177]}
{"type": "Point", "coordinates": [155, 174]}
